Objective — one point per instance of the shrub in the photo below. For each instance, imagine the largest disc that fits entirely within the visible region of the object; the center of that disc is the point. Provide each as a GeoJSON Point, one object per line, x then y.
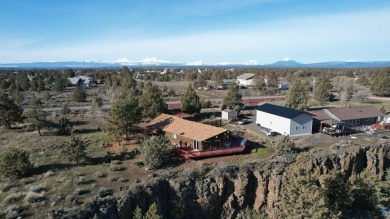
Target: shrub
{"type": "Point", "coordinates": [15, 163]}
{"type": "Point", "coordinates": [32, 198]}
{"type": "Point", "coordinates": [284, 146]}
{"type": "Point", "coordinates": [14, 197]}
{"type": "Point", "coordinates": [82, 181]}
{"type": "Point", "coordinates": [64, 126]}
{"type": "Point", "coordinates": [37, 189]}
{"type": "Point", "coordinates": [99, 174]}
{"type": "Point", "coordinates": [156, 151]}
{"type": "Point", "coordinates": [103, 192]}
{"type": "Point", "coordinates": [13, 211]}
{"type": "Point", "coordinates": [116, 167]}
{"type": "Point", "coordinates": [48, 174]}
{"type": "Point", "coordinates": [56, 198]}
{"type": "Point", "coordinates": [6, 186]}
{"type": "Point", "coordinates": [81, 191]}
{"type": "Point", "coordinates": [79, 95]}
{"type": "Point", "coordinates": [121, 179]}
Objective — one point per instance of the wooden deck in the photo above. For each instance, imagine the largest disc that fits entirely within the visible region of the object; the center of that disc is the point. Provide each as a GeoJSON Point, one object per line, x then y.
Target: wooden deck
{"type": "Point", "coordinates": [191, 154]}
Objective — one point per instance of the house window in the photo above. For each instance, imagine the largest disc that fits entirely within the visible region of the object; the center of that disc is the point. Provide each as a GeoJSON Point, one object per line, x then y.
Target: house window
{"type": "Point", "coordinates": [297, 128]}
{"type": "Point", "coordinates": [174, 135]}
{"type": "Point", "coordinates": [303, 127]}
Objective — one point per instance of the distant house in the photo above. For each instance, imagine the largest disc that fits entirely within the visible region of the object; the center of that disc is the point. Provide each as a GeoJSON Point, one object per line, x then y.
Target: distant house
{"type": "Point", "coordinates": [193, 139]}
{"type": "Point", "coordinates": [352, 116]}
{"type": "Point", "coordinates": [283, 120]}
{"type": "Point", "coordinates": [229, 114]}
{"type": "Point", "coordinates": [81, 81]}
{"type": "Point", "coordinates": [246, 79]}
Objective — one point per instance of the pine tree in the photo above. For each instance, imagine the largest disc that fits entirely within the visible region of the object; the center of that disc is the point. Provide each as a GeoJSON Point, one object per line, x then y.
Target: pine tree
{"type": "Point", "coordinates": [123, 115]}
{"type": "Point", "coordinates": [233, 99]}
{"type": "Point", "coordinates": [74, 150]}
{"type": "Point", "coordinates": [152, 212]}
{"type": "Point", "coordinates": [297, 96]}
{"type": "Point", "coordinates": [190, 102]}
{"type": "Point", "coordinates": [9, 111]}
{"type": "Point", "coordinates": [152, 103]}
{"type": "Point", "coordinates": [36, 116]}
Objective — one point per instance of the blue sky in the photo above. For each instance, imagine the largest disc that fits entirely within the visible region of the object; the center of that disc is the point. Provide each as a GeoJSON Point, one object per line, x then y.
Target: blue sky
{"type": "Point", "coordinates": [213, 31]}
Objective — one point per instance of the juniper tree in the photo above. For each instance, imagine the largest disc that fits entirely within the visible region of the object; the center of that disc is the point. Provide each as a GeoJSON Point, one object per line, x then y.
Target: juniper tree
{"type": "Point", "coordinates": [233, 99]}
{"type": "Point", "coordinates": [10, 112]}
{"type": "Point", "coordinates": [74, 150]}
{"type": "Point", "coordinates": [151, 102]}
{"type": "Point", "coordinates": [297, 96]}
{"type": "Point", "coordinates": [380, 85]}
{"type": "Point", "coordinates": [79, 94]}
{"type": "Point", "coordinates": [137, 214]}
{"type": "Point", "coordinates": [36, 116]}
{"type": "Point", "coordinates": [156, 151]}
{"type": "Point", "coordinates": [152, 212]}
{"type": "Point", "coordinates": [190, 102]}
{"type": "Point", "coordinates": [64, 126]}
{"type": "Point", "coordinates": [15, 163]}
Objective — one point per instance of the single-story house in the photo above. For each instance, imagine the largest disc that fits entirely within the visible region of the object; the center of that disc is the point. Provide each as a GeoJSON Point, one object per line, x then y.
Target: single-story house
{"type": "Point", "coordinates": [228, 114]}
{"type": "Point", "coordinates": [352, 116]}
{"type": "Point", "coordinates": [283, 120]}
{"type": "Point", "coordinates": [81, 81]}
{"type": "Point", "coordinates": [246, 79]}
{"type": "Point", "coordinates": [193, 139]}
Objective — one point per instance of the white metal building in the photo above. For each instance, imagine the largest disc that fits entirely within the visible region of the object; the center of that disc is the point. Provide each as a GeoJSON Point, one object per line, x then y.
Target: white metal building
{"type": "Point", "coordinates": [246, 79]}
{"type": "Point", "coordinates": [283, 120]}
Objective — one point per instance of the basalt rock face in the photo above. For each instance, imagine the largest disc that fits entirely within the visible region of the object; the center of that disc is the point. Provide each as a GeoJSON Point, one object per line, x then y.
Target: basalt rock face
{"type": "Point", "coordinates": [226, 191]}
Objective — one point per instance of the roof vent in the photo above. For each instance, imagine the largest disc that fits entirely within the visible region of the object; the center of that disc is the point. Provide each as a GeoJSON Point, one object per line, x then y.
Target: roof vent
{"type": "Point", "coordinates": [181, 133]}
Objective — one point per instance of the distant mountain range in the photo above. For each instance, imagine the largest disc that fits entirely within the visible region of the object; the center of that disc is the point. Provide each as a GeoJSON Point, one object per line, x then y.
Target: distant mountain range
{"type": "Point", "coordinates": [154, 62]}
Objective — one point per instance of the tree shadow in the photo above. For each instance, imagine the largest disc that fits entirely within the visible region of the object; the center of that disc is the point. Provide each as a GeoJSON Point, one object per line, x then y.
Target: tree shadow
{"type": "Point", "coordinates": [112, 156]}
{"type": "Point", "coordinates": [44, 168]}
{"type": "Point", "coordinates": [252, 146]}
{"type": "Point", "coordinates": [77, 122]}
{"type": "Point", "coordinates": [86, 131]}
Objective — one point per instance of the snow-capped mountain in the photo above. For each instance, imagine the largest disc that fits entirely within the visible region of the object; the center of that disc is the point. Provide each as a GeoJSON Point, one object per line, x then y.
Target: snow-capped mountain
{"type": "Point", "coordinates": [153, 61]}
{"type": "Point", "coordinates": [287, 62]}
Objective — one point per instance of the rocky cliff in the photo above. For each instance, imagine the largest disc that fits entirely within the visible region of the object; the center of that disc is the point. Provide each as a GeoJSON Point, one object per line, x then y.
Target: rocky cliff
{"type": "Point", "coordinates": [226, 191]}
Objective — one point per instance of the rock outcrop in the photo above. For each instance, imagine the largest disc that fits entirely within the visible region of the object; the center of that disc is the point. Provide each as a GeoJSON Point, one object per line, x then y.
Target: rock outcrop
{"type": "Point", "coordinates": [225, 191]}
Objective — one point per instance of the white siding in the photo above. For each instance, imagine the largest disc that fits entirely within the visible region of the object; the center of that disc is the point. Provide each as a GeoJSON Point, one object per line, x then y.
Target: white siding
{"type": "Point", "coordinates": [229, 115]}
{"type": "Point", "coordinates": [245, 82]}
{"type": "Point", "coordinates": [273, 122]}
{"type": "Point", "coordinates": [301, 125]}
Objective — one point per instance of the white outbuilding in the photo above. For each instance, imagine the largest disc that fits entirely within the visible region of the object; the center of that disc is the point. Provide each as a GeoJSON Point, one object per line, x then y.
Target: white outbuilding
{"type": "Point", "coordinates": [283, 120]}
{"type": "Point", "coordinates": [246, 79]}
{"type": "Point", "coordinates": [229, 114]}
